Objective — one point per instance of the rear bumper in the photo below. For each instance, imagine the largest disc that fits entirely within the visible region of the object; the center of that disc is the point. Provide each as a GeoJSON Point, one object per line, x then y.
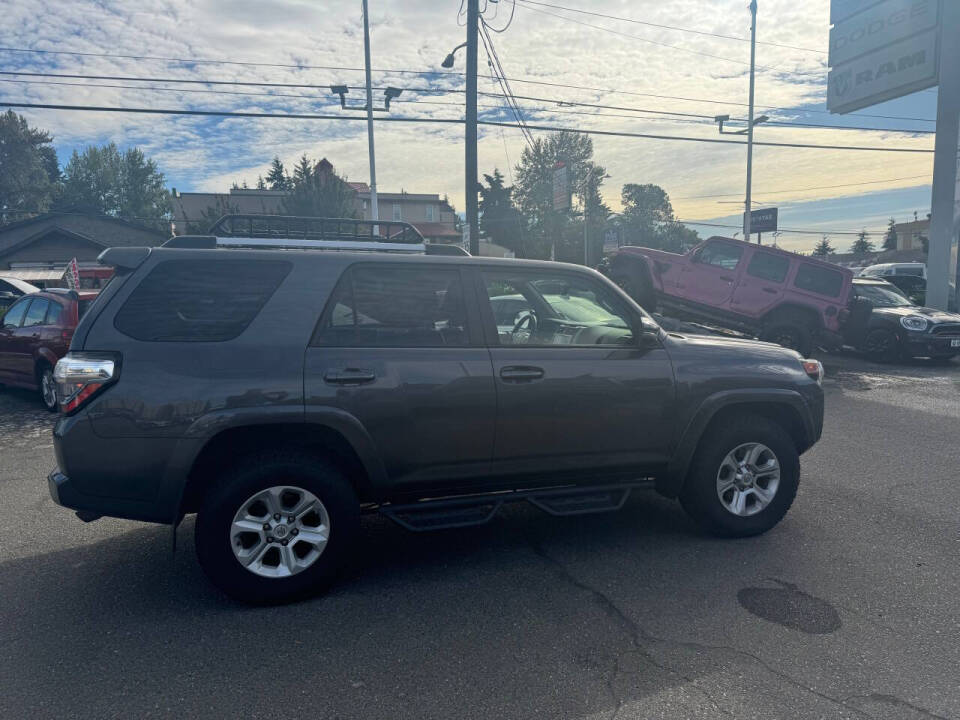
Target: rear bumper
{"type": "Point", "coordinates": [89, 507]}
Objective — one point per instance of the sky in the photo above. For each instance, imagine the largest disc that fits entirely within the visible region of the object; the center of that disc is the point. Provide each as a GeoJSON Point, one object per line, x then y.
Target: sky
{"type": "Point", "coordinates": [667, 82]}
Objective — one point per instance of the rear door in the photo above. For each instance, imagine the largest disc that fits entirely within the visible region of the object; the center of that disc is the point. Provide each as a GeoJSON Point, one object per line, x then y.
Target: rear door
{"type": "Point", "coordinates": [399, 348]}
{"type": "Point", "coordinates": [761, 285]}
{"type": "Point", "coordinates": [576, 392]}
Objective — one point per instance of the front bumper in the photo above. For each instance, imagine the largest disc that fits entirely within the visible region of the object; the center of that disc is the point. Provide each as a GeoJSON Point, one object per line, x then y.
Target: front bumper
{"type": "Point", "coordinates": [926, 344]}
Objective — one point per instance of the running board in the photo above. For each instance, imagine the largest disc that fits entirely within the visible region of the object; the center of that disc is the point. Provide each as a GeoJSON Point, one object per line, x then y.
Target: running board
{"type": "Point", "coordinates": [473, 510]}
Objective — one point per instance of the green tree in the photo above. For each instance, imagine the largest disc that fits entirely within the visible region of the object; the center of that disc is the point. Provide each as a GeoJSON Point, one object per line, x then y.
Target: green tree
{"type": "Point", "coordinates": [823, 248]}
{"type": "Point", "coordinates": [277, 178]}
{"type": "Point", "coordinates": [648, 219]}
{"type": "Point", "coordinates": [121, 184]}
{"type": "Point", "coordinates": [261, 183]}
{"type": "Point", "coordinates": [862, 245]}
{"type": "Point", "coordinates": [499, 218]}
{"type": "Point", "coordinates": [317, 191]}
{"type": "Point", "coordinates": [545, 227]}
{"type": "Point", "coordinates": [890, 239]}
{"type": "Point", "coordinates": [29, 168]}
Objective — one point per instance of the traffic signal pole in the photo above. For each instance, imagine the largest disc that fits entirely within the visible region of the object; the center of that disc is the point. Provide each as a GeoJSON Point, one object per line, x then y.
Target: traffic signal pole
{"type": "Point", "coordinates": [470, 160]}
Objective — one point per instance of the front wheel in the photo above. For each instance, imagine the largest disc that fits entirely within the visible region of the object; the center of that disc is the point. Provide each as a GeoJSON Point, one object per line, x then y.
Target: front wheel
{"type": "Point", "coordinates": [789, 335]}
{"type": "Point", "coordinates": [277, 527]}
{"type": "Point", "coordinates": [743, 479]}
{"type": "Point", "coordinates": [881, 345]}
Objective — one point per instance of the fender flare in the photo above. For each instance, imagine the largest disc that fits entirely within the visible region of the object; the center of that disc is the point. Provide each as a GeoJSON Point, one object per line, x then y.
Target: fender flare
{"type": "Point", "coordinates": [672, 482]}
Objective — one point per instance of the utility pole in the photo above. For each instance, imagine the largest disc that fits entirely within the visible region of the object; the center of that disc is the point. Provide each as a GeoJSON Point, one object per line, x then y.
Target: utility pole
{"type": "Point", "coordinates": [753, 58]}
{"type": "Point", "coordinates": [470, 160]}
{"type": "Point", "coordinates": [374, 210]}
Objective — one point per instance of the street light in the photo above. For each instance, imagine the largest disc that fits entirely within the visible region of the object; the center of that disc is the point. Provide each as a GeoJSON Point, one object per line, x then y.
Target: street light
{"type": "Point", "coordinates": [449, 59]}
{"type": "Point", "coordinates": [721, 119]}
{"type": "Point", "coordinates": [388, 94]}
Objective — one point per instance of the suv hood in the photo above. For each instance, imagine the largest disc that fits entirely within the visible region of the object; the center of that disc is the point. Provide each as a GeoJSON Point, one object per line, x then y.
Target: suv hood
{"type": "Point", "coordinates": [757, 348]}
{"type": "Point", "coordinates": [931, 314]}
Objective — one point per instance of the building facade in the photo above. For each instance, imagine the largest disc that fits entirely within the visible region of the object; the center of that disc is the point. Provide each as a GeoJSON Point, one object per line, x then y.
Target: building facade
{"type": "Point", "coordinates": [910, 235]}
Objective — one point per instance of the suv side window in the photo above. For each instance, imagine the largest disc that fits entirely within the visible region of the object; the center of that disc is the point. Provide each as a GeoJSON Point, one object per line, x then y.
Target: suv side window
{"type": "Point", "coordinates": [36, 313]}
{"type": "Point", "coordinates": [15, 314]}
{"type": "Point", "coordinates": [395, 306]}
{"type": "Point", "coordinates": [199, 300]}
{"type": "Point", "coordinates": [542, 308]}
{"type": "Point", "coordinates": [820, 280]}
{"type": "Point", "coordinates": [768, 266]}
{"type": "Point", "coordinates": [720, 255]}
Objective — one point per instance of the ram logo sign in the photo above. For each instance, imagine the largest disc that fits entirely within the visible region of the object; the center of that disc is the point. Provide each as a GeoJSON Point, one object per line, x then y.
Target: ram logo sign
{"type": "Point", "coordinates": [881, 51]}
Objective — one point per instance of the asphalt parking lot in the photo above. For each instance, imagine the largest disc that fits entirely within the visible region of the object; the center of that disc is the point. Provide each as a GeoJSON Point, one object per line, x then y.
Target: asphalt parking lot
{"type": "Point", "coordinates": [849, 608]}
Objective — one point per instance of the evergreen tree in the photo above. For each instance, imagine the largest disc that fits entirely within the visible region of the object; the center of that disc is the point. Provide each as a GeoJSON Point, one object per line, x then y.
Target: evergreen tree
{"type": "Point", "coordinates": [823, 248]}
{"type": "Point", "coordinates": [277, 178]}
{"type": "Point", "coordinates": [890, 239]}
{"type": "Point", "coordinates": [29, 168]}
{"type": "Point", "coordinates": [862, 245]}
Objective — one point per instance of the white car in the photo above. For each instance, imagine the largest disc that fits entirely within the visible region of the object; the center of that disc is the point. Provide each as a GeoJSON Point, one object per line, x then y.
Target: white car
{"type": "Point", "coordinates": [883, 270]}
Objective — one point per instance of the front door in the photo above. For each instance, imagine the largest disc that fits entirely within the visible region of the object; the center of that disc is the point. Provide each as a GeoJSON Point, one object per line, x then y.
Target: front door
{"type": "Point", "coordinates": [10, 341]}
{"type": "Point", "coordinates": [396, 349]}
{"type": "Point", "coordinates": [712, 274]}
{"type": "Point", "coordinates": [576, 391]}
{"type": "Point", "coordinates": [26, 341]}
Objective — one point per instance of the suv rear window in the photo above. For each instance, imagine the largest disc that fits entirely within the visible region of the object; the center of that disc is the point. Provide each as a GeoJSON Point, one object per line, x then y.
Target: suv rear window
{"type": "Point", "coordinates": [199, 300]}
{"type": "Point", "coordinates": [395, 307]}
{"type": "Point", "coordinates": [768, 266]}
{"type": "Point", "coordinates": [820, 280]}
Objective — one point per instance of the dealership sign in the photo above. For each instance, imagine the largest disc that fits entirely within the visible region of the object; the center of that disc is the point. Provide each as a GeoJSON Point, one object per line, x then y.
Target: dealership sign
{"type": "Point", "coordinates": [882, 51]}
{"type": "Point", "coordinates": [762, 221]}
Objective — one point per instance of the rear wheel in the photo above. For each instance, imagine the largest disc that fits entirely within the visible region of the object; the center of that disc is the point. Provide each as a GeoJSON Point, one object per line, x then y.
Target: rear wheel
{"type": "Point", "coordinates": [277, 527]}
{"type": "Point", "coordinates": [743, 479]}
{"type": "Point", "coordinates": [637, 283]}
{"type": "Point", "coordinates": [48, 387]}
{"type": "Point", "coordinates": [790, 334]}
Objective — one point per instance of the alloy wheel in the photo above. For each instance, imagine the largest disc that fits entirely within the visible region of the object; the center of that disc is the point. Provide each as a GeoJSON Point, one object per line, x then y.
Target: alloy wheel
{"type": "Point", "coordinates": [748, 479]}
{"type": "Point", "coordinates": [48, 389]}
{"type": "Point", "coordinates": [280, 531]}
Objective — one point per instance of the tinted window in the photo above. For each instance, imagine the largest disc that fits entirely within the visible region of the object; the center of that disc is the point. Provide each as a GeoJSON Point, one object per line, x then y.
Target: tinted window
{"type": "Point", "coordinates": [912, 270]}
{"type": "Point", "coordinates": [15, 314]}
{"type": "Point", "coordinates": [199, 300]}
{"type": "Point", "coordinates": [82, 307]}
{"type": "Point", "coordinates": [54, 314]}
{"type": "Point", "coordinates": [882, 295]}
{"type": "Point", "coordinates": [768, 266]}
{"type": "Point", "coordinates": [820, 280]}
{"type": "Point", "coordinates": [396, 307]}
{"type": "Point", "coordinates": [36, 312]}
{"type": "Point", "coordinates": [721, 255]}
{"type": "Point", "coordinates": [536, 308]}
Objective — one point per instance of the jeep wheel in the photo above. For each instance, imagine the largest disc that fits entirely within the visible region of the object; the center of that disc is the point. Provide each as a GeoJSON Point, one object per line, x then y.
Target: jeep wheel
{"type": "Point", "coordinates": [276, 528]}
{"type": "Point", "coordinates": [48, 388]}
{"type": "Point", "coordinates": [881, 345]}
{"type": "Point", "coordinates": [743, 479]}
{"type": "Point", "coordinates": [790, 335]}
{"type": "Point", "coordinates": [638, 285]}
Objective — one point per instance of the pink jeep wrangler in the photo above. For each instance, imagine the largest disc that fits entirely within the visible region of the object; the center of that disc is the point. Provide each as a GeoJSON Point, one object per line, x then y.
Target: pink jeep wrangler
{"type": "Point", "coordinates": [782, 297]}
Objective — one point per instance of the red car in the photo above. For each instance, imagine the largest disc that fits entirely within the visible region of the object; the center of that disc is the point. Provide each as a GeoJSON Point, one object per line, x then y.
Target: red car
{"type": "Point", "coordinates": [35, 332]}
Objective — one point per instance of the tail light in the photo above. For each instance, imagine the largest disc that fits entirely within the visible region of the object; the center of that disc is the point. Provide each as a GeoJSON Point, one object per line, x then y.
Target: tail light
{"type": "Point", "coordinates": [80, 376]}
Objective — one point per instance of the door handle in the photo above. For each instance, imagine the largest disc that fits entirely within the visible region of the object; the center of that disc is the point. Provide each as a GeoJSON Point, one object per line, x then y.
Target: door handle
{"type": "Point", "coordinates": [349, 376]}
{"type": "Point", "coordinates": [772, 291]}
{"type": "Point", "coordinates": [520, 373]}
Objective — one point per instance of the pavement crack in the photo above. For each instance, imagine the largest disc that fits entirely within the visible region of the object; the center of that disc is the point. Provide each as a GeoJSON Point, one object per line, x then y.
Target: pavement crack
{"type": "Point", "coordinates": [897, 702]}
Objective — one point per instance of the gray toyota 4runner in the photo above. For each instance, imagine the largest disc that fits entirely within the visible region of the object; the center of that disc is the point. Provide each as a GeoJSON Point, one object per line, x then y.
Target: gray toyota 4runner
{"type": "Point", "coordinates": [279, 392]}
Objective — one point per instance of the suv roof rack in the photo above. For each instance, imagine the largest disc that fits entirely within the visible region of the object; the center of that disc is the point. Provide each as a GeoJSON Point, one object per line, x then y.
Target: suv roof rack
{"type": "Point", "coordinates": [300, 232]}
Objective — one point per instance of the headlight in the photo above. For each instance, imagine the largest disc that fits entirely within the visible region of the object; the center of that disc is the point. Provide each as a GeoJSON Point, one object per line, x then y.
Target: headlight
{"type": "Point", "coordinates": [914, 322]}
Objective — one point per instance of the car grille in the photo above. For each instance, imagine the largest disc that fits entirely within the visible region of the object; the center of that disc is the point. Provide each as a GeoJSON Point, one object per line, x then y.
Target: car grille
{"type": "Point", "coordinates": [951, 329]}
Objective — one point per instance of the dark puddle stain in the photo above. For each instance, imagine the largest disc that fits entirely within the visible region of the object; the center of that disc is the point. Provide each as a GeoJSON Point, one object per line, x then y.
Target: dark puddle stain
{"type": "Point", "coordinates": [791, 607]}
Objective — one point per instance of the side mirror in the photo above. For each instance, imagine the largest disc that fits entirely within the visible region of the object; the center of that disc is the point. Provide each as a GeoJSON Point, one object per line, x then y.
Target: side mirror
{"type": "Point", "coordinates": [647, 333]}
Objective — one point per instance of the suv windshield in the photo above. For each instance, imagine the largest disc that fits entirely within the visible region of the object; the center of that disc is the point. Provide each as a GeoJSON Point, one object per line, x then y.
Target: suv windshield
{"type": "Point", "coordinates": [882, 296]}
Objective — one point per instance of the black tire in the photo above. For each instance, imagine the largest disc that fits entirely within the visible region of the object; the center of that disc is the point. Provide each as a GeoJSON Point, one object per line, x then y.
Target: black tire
{"type": "Point", "coordinates": [791, 334]}
{"type": "Point", "coordinates": [700, 497]}
{"type": "Point", "coordinates": [882, 345]}
{"type": "Point", "coordinates": [236, 485]}
{"type": "Point", "coordinates": [46, 387]}
{"type": "Point", "coordinates": [637, 283]}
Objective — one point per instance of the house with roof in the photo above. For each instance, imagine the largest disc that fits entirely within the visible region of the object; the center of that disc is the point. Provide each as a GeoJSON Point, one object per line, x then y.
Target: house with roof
{"type": "Point", "coordinates": [38, 249]}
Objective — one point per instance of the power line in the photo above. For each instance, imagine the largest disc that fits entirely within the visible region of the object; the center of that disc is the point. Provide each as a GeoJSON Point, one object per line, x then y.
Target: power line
{"type": "Point", "coordinates": [672, 27]}
{"type": "Point", "coordinates": [447, 121]}
{"type": "Point", "coordinates": [424, 90]}
{"type": "Point", "coordinates": [424, 72]}
{"type": "Point", "coordinates": [821, 187]}
{"type": "Point", "coordinates": [494, 61]}
{"type": "Point", "coordinates": [785, 230]}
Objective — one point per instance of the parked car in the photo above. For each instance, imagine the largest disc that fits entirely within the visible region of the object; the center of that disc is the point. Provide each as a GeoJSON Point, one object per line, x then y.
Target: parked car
{"type": "Point", "coordinates": [886, 325]}
{"type": "Point", "coordinates": [11, 289]}
{"type": "Point", "coordinates": [913, 286]}
{"type": "Point", "coordinates": [793, 300]}
{"type": "Point", "coordinates": [888, 270]}
{"type": "Point", "coordinates": [278, 393]}
{"type": "Point", "coordinates": [35, 333]}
